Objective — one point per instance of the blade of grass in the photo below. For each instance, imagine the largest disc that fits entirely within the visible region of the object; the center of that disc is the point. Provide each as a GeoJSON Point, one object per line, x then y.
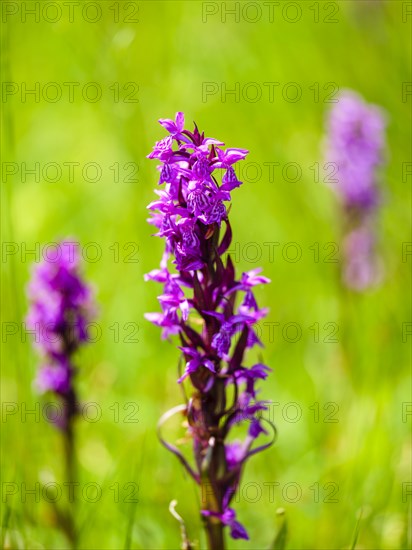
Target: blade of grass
{"type": "Point", "coordinates": [5, 524]}
{"type": "Point", "coordinates": [356, 533]}
{"type": "Point", "coordinates": [132, 510]}
{"type": "Point", "coordinates": [280, 541]}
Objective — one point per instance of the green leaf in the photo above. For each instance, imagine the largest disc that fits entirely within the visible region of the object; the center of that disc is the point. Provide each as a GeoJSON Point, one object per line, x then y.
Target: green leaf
{"type": "Point", "coordinates": [356, 533]}
{"type": "Point", "coordinates": [280, 541]}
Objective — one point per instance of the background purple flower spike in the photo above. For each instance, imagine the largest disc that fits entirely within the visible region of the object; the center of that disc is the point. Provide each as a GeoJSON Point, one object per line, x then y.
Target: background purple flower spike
{"type": "Point", "coordinates": [61, 306]}
{"type": "Point", "coordinates": [356, 144]}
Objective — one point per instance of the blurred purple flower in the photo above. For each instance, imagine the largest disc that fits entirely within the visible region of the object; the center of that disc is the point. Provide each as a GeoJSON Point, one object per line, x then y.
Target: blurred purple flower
{"type": "Point", "coordinates": [361, 269]}
{"type": "Point", "coordinates": [356, 144]}
{"type": "Point", "coordinates": [61, 306]}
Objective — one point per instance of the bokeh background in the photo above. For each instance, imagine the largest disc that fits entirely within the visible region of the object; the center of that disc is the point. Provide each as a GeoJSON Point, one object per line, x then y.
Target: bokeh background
{"type": "Point", "coordinates": [342, 388]}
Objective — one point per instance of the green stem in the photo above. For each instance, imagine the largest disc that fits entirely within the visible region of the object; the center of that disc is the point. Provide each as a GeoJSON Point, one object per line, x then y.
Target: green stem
{"type": "Point", "coordinates": [213, 525]}
{"type": "Point", "coordinates": [69, 448]}
{"type": "Point", "coordinates": [214, 532]}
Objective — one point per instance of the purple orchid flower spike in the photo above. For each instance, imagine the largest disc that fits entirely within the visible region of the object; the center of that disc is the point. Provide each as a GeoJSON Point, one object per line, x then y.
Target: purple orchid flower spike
{"type": "Point", "coordinates": [355, 144]}
{"type": "Point", "coordinates": [214, 315]}
{"type": "Point", "coordinates": [61, 307]}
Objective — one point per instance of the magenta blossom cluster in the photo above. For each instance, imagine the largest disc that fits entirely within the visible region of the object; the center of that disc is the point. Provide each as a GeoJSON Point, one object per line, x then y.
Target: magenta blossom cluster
{"type": "Point", "coordinates": [212, 311]}
{"type": "Point", "coordinates": [61, 308]}
{"type": "Point", "coordinates": [356, 146]}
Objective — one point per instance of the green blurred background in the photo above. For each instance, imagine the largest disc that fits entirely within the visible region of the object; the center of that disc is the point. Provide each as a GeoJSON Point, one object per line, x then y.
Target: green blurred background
{"type": "Point", "coordinates": [162, 54]}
